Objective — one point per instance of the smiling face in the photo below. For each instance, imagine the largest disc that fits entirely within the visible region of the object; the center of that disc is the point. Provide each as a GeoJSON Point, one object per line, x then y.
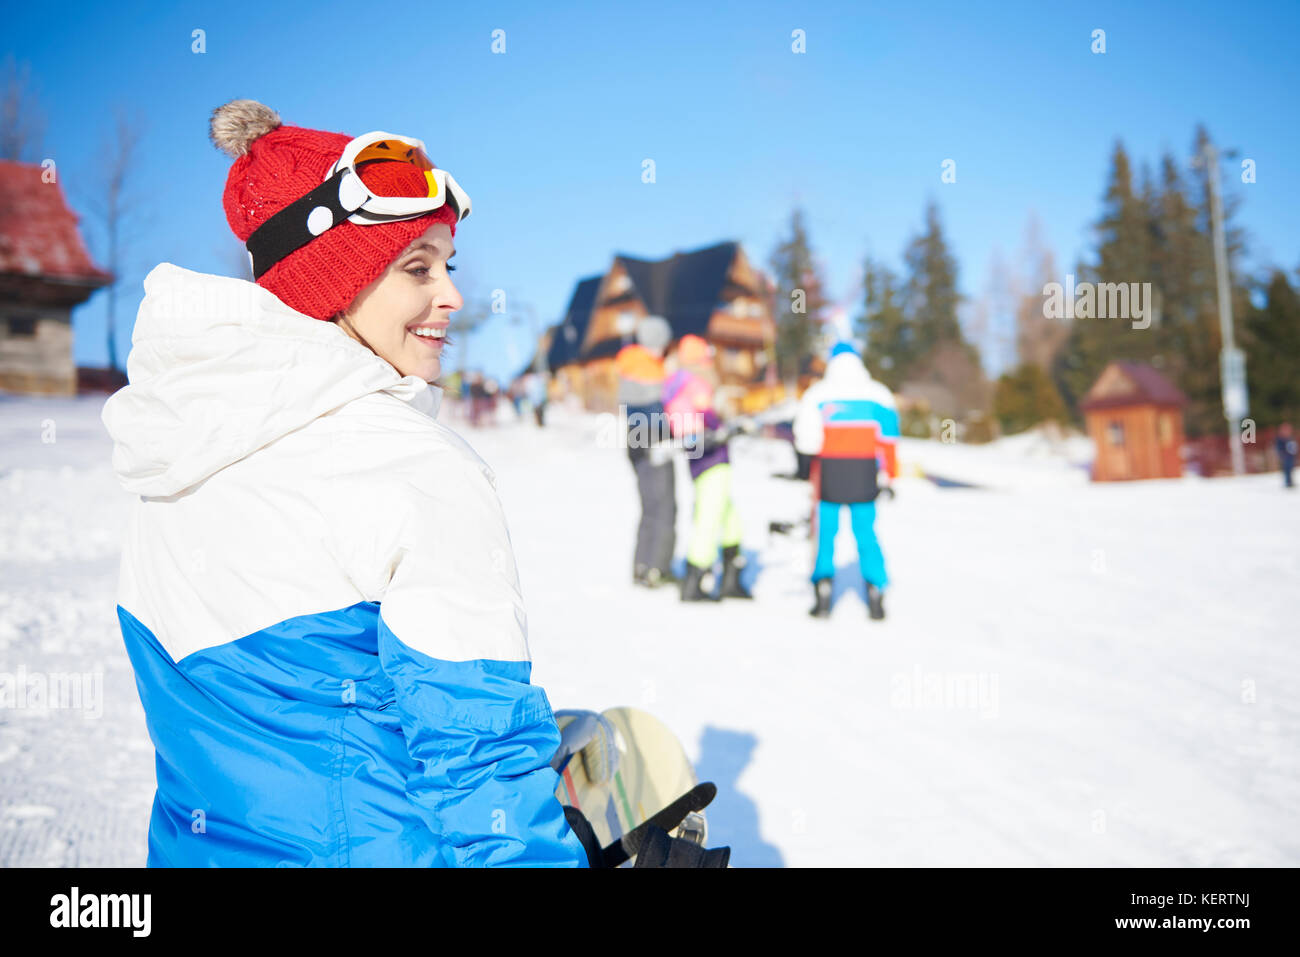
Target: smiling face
{"type": "Point", "coordinates": [403, 315]}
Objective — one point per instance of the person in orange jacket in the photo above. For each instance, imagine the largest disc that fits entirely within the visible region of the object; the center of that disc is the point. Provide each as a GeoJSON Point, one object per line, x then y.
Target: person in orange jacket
{"type": "Point", "coordinates": [640, 370]}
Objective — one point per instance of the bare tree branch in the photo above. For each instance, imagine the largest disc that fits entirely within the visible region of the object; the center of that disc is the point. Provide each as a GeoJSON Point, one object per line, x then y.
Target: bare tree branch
{"type": "Point", "coordinates": [116, 205]}
{"type": "Point", "coordinates": [22, 121]}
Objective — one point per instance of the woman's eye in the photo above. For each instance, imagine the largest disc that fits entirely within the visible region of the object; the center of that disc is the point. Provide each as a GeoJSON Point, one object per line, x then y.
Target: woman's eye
{"type": "Point", "coordinates": [421, 271]}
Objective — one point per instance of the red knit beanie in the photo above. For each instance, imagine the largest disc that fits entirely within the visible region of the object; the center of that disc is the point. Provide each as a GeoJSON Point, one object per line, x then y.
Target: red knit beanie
{"type": "Point", "coordinates": [276, 165]}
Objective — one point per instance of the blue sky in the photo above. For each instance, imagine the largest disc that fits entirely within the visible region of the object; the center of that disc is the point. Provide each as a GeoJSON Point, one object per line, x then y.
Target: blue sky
{"type": "Point", "coordinates": [549, 137]}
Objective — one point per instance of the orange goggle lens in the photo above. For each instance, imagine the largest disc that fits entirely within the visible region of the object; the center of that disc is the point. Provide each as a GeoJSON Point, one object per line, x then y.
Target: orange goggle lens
{"type": "Point", "coordinates": [394, 151]}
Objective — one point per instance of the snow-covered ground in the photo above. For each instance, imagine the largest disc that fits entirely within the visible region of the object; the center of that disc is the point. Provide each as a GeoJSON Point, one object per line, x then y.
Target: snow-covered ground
{"type": "Point", "coordinates": [1070, 674]}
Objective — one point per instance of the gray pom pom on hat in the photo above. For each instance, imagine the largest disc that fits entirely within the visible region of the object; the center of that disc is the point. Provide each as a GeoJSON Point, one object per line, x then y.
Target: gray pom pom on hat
{"type": "Point", "coordinates": [237, 124]}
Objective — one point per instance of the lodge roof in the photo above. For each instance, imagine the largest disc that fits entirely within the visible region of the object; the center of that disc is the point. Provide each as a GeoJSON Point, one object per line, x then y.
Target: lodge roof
{"type": "Point", "coordinates": [685, 288]}
{"type": "Point", "coordinates": [1131, 383]}
{"type": "Point", "coordinates": [38, 231]}
{"type": "Point", "coordinates": [569, 333]}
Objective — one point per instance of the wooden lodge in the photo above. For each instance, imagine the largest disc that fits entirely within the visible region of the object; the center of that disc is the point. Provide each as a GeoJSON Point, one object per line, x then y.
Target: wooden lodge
{"type": "Point", "coordinates": [713, 292]}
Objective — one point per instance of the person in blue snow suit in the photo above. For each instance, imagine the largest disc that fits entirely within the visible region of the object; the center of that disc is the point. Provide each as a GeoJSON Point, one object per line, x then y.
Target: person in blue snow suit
{"type": "Point", "coordinates": [1286, 452]}
{"type": "Point", "coordinates": [318, 593]}
{"type": "Point", "coordinates": [848, 421]}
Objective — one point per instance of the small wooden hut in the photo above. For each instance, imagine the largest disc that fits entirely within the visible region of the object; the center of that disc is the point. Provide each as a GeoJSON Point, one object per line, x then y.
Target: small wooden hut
{"type": "Point", "coordinates": [1134, 416]}
{"type": "Point", "coordinates": [45, 271]}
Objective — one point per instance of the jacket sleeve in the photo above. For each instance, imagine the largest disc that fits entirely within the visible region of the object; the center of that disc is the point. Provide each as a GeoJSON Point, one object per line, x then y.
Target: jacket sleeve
{"type": "Point", "coordinates": [887, 417]}
{"type": "Point", "coordinates": [452, 638]}
{"type": "Point", "coordinates": [808, 423]}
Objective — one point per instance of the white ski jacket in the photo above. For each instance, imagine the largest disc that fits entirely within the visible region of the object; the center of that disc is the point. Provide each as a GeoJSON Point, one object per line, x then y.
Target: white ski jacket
{"type": "Point", "coordinates": [320, 601]}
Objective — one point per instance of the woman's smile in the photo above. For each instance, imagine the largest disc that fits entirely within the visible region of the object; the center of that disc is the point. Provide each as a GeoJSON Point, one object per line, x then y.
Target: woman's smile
{"type": "Point", "coordinates": [430, 336]}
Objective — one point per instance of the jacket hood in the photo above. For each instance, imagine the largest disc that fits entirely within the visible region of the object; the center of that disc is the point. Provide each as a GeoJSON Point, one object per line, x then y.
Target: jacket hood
{"type": "Point", "coordinates": [845, 368]}
{"type": "Point", "coordinates": [220, 368]}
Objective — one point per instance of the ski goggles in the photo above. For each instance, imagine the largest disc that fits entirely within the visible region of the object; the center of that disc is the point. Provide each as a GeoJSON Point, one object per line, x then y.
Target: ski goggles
{"type": "Point", "coordinates": [344, 196]}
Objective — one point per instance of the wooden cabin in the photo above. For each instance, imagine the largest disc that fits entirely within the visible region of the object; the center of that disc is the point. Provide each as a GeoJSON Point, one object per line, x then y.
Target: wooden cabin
{"type": "Point", "coordinates": [45, 271]}
{"type": "Point", "coordinates": [1134, 416]}
{"type": "Point", "coordinates": [712, 292]}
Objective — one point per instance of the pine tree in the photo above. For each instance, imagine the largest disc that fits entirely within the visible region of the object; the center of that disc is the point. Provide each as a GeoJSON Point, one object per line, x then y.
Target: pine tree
{"type": "Point", "coordinates": [1026, 396]}
{"type": "Point", "coordinates": [937, 352]}
{"type": "Point", "coordinates": [882, 326]}
{"type": "Point", "coordinates": [1271, 337]}
{"type": "Point", "coordinates": [1124, 255]}
{"type": "Point", "coordinates": [1187, 337]}
{"type": "Point", "coordinates": [799, 300]}
{"type": "Point", "coordinates": [930, 293]}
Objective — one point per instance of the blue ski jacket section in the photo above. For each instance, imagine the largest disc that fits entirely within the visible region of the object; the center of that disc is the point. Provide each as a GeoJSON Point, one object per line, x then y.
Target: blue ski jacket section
{"type": "Point", "coordinates": [425, 763]}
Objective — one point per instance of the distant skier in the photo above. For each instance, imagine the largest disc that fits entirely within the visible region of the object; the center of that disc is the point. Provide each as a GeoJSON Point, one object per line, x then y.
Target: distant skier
{"type": "Point", "coordinates": [537, 396]}
{"type": "Point", "coordinates": [688, 400]}
{"type": "Point", "coordinates": [640, 370]}
{"type": "Point", "coordinates": [1286, 452]}
{"type": "Point", "coordinates": [848, 421]}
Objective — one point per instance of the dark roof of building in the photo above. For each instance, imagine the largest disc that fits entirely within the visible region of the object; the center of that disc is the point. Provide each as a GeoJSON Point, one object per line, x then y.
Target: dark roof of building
{"type": "Point", "coordinates": [685, 288]}
{"type": "Point", "coordinates": [572, 329]}
{"type": "Point", "coordinates": [38, 232]}
{"type": "Point", "coordinates": [1149, 386]}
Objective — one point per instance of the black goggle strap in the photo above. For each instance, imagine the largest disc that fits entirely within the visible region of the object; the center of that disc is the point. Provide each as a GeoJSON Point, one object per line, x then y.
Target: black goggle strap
{"type": "Point", "coordinates": [298, 224]}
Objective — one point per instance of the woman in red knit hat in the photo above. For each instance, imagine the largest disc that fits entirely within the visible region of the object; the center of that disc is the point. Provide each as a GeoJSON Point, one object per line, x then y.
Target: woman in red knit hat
{"type": "Point", "coordinates": [318, 593]}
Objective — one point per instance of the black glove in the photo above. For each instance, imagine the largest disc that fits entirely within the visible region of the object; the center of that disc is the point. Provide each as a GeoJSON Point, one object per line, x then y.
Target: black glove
{"type": "Point", "coordinates": [659, 849]}
{"type": "Point", "coordinates": [581, 828]}
{"type": "Point", "coordinates": [652, 845]}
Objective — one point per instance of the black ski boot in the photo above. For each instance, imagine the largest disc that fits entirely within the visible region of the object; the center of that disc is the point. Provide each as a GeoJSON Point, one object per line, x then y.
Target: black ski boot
{"type": "Point", "coordinates": [875, 602]}
{"type": "Point", "coordinates": [698, 585]}
{"type": "Point", "coordinates": [732, 563]}
{"type": "Point", "coordinates": [822, 589]}
{"type": "Point", "coordinates": [654, 577]}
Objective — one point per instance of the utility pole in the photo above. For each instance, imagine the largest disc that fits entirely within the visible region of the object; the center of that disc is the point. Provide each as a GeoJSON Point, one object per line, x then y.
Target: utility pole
{"type": "Point", "coordinates": [529, 310]}
{"type": "Point", "coordinates": [1232, 361]}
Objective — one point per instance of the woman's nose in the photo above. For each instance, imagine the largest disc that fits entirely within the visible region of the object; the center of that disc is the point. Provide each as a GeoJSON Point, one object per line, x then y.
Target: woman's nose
{"type": "Point", "coordinates": [448, 297]}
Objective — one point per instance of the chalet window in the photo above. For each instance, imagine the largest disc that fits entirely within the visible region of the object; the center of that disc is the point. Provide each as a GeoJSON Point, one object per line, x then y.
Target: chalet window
{"type": "Point", "coordinates": [1115, 433]}
{"type": "Point", "coordinates": [22, 325]}
{"type": "Point", "coordinates": [1165, 428]}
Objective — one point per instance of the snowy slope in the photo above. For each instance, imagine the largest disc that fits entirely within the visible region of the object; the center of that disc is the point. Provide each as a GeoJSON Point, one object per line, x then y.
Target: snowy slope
{"type": "Point", "coordinates": [1070, 674]}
